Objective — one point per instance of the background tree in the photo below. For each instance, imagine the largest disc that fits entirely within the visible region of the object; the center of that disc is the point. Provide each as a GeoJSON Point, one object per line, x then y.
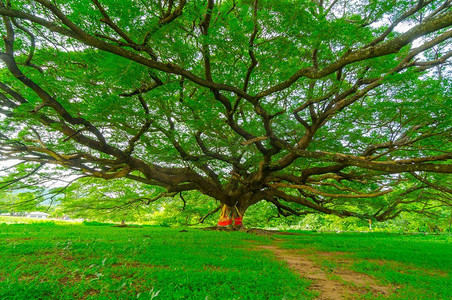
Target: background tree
{"type": "Point", "coordinates": [338, 107]}
{"type": "Point", "coordinates": [121, 200]}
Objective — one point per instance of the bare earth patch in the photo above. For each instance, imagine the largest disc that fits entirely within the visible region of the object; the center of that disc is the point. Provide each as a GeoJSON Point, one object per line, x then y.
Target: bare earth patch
{"type": "Point", "coordinates": [9, 240]}
{"type": "Point", "coordinates": [337, 283]}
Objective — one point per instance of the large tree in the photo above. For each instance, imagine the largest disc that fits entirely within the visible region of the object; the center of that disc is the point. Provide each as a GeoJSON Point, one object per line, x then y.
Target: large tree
{"type": "Point", "coordinates": [338, 107]}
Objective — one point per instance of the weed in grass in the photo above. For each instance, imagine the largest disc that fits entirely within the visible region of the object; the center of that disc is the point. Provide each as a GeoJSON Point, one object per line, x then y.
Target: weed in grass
{"type": "Point", "coordinates": [328, 265]}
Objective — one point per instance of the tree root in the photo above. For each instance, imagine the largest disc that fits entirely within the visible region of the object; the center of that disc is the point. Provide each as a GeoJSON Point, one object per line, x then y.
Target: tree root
{"type": "Point", "coordinates": [256, 231]}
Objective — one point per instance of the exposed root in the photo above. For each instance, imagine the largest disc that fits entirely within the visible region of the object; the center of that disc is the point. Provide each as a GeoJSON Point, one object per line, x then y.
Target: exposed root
{"type": "Point", "coordinates": [256, 231]}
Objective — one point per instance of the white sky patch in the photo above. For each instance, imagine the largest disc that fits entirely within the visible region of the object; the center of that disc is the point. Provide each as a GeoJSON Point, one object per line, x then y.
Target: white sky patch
{"type": "Point", "coordinates": [6, 164]}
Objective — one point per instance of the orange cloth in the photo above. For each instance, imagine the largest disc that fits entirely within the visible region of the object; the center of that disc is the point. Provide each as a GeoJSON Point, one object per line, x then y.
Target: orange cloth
{"type": "Point", "coordinates": [225, 216]}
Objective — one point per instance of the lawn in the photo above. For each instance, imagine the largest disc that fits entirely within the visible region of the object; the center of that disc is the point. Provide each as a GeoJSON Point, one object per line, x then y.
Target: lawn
{"type": "Point", "coordinates": [418, 266]}
{"type": "Point", "coordinates": [53, 261]}
{"type": "Point", "coordinates": [75, 261]}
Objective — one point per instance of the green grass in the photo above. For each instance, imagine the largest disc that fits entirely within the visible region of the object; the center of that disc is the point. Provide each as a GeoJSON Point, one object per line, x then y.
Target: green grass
{"type": "Point", "coordinates": [418, 265]}
{"type": "Point", "coordinates": [48, 260]}
{"type": "Point", "coordinates": [52, 261]}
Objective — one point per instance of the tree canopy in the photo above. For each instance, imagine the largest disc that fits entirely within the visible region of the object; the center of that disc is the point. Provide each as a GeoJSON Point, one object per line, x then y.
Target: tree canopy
{"type": "Point", "coordinates": [338, 107]}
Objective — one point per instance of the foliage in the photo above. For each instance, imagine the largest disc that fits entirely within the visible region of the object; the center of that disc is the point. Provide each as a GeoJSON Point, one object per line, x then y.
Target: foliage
{"type": "Point", "coordinates": [404, 223]}
{"type": "Point", "coordinates": [119, 200]}
{"type": "Point", "coordinates": [338, 107]}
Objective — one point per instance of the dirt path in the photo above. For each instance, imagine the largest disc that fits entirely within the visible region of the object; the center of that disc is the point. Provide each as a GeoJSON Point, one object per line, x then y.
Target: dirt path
{"type": "Point", "coordinates": [336, 283]}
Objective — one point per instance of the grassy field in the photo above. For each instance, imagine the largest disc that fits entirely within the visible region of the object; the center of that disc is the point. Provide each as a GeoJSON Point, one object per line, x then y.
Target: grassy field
{"type": "Point", "coordinates": [53, 261]}
{"type": "Point", "coordinates": [418, 266]}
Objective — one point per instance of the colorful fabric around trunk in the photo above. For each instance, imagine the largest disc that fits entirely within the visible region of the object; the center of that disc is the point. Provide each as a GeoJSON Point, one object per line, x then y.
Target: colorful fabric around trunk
{"type": "Point", "coordinates": [225, 216]}
{"type": "Point", "coordinates": [228, 216]}
{"type": "Point", "coordinates": [237, 217]}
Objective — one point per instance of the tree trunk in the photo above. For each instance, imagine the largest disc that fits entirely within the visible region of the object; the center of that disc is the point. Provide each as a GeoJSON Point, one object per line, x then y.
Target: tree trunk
{"type": "Point", "coordinates": [232, 216]}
